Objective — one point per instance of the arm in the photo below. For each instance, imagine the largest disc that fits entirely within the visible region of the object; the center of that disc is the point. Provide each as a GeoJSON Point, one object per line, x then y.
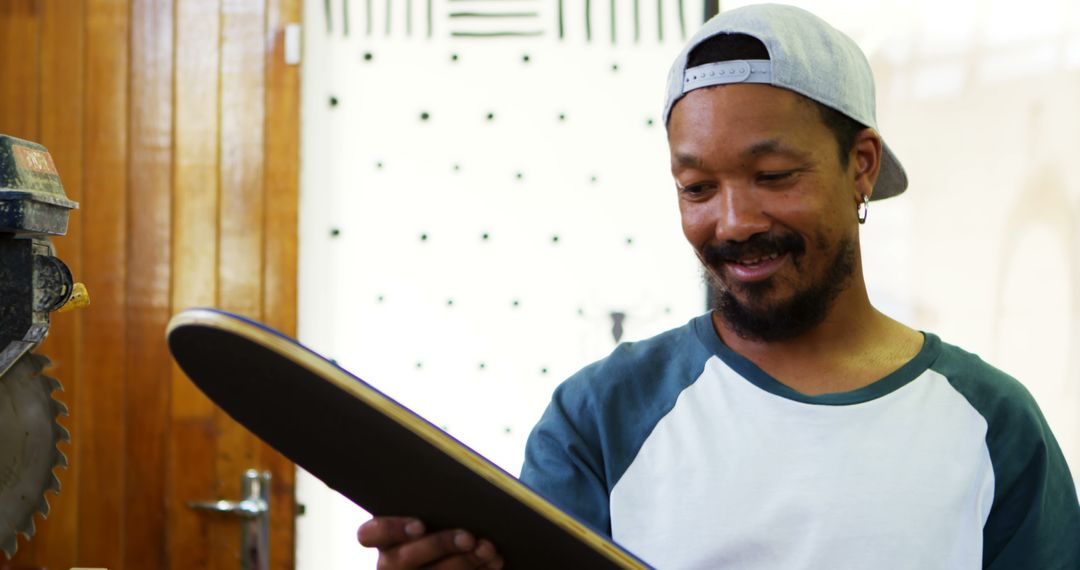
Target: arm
{"type": "Point", "coordinates": [1035, 520]}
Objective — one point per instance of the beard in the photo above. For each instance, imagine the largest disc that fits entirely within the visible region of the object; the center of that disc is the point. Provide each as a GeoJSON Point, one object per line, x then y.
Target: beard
{"type": "Point", "coordinates": [757, 318]}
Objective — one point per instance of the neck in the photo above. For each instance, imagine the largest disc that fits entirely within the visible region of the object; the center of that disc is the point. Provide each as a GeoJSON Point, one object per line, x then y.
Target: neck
{"type": "Point", "coordinates": [853, 346]}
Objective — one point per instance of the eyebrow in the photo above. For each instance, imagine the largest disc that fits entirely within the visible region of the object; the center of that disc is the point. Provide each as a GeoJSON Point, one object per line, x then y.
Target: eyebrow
{"type": "Point", "coordinates": [774, 146]}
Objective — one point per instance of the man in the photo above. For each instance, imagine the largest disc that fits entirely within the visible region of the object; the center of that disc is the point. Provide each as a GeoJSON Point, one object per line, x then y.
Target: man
{"type": "Point", "coordinates": [795, 426]}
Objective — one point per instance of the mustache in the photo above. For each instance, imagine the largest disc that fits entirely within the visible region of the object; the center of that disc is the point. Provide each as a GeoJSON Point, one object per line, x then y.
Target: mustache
{"type": "Point", "coordinates": [757, 245]}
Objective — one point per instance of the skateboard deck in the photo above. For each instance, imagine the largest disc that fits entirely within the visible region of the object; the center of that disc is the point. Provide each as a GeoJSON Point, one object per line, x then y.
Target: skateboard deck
{"type": "Point", "coordinates": [371, 449]}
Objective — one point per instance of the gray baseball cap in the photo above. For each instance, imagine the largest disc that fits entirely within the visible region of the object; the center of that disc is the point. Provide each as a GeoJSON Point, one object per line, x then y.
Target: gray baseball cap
{"type": "Point", "coordinates": [806, 55]}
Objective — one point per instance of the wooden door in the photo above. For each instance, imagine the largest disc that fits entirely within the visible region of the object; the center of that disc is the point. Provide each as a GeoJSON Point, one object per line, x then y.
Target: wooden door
{"type": "Point", "coordinates": [174, 124]}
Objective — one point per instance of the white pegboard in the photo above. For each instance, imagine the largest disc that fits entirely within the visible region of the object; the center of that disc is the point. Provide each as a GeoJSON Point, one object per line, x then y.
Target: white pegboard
{"type": "Point", "coordinates": [474, 209]}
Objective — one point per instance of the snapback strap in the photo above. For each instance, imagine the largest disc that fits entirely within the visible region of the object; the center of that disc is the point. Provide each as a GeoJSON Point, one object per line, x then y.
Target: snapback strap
{"type": "Point", "coordinates": [722, 72]}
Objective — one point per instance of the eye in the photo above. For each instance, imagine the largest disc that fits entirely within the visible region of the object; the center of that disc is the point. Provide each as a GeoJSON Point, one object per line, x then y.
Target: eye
{"type": "Point", "coordinates": [694, 190]}
{"type": "Point", "coordinates": [776, 177]}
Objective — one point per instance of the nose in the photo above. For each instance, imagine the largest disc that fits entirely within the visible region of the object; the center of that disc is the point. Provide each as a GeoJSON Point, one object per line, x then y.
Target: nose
{"type": "Point", "coordinates": [739, 214]}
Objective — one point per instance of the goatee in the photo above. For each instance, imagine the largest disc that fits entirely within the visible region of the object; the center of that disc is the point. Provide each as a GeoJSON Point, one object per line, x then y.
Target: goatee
{"type": "Point", "coordinates": [758, 319]}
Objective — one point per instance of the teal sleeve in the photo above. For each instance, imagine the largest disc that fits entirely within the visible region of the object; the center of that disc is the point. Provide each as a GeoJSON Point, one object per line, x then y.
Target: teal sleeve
{"type": "Point", "coordinates": [563, 459]}
{"type": "Point", "coordinates": [1034, 521]}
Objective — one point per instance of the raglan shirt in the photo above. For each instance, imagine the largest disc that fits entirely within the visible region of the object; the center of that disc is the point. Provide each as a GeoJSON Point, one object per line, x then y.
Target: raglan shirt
{"type": "Point", "coordinates": [690, 456]}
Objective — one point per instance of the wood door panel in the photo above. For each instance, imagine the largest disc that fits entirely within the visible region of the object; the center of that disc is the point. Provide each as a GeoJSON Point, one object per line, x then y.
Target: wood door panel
{"type": "Point", "coordinates": [174, 123]}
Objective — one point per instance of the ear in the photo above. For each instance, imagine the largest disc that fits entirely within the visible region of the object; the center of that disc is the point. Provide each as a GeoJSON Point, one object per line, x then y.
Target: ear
{"type": "Point", "coordinates": [864, 163]}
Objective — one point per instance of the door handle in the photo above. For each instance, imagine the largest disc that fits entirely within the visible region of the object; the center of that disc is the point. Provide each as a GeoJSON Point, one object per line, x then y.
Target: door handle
{"type": "Point", "coordinates": [254, 508]}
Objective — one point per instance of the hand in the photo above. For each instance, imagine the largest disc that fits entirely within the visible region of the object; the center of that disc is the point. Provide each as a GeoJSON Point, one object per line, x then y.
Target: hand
{"type": "Point", "coordinates": [403, 543]}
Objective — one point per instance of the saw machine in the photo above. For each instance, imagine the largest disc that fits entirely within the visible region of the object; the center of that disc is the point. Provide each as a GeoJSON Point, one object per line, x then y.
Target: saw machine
{"type": "Point", "coordinates": [33, 284]}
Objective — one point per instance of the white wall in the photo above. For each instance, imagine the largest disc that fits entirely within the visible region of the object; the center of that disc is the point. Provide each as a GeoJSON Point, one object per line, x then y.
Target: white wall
{"type": "Point", "coordinates": [464, 264]}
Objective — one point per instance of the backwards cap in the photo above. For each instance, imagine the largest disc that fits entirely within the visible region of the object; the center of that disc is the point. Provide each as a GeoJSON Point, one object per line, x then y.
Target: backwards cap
{"type": "Point", "coordinates": [806, 55]}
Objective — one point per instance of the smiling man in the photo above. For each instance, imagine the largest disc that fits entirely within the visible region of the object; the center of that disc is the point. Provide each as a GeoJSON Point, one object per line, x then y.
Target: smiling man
{"type": "Point", "coordinates": [794, 426]}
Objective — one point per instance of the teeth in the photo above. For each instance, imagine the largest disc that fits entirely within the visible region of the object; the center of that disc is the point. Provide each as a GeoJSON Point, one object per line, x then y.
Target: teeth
{"type": "Point", "coordinates": [758, 260]}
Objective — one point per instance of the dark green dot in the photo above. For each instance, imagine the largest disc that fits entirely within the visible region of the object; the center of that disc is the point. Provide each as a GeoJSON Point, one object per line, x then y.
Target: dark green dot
{"type": "Point", "coordinates": [507, 429]}
{"type": "Point", "coordinates": [379, 165]}
{"type": "Point", "coordinates": [483, 366]}
{"type": "Point", "coordinates": [335, 232]}
{"type": "Point", "coordinates": [454, 57]}
{"type": "Point", "coordinates": [594, 179]}
{"type": "Point", "coordinates": [525, 58]}
{"type": "Point", "coordinates": [562, 116]}
{"type": "Point", "coordinates": [581, 312]}
{"type": "Point", "coordinates": [519, 175]}
{"type": "Point", "coordinates": [491, 116]}
{"type": "Point", "coordinates": [516, 303]}
{"type": "Point", "coordinates": [380, 299]}
{"type": "Point", "coordinates": [614, 67]}
{"type": "Point", "coordinates": [425, 116]}
{"type": "Point", "coordinates": [423, 237]}
{"type": "Point", "coordinates": [554, 239]}
{"type": "Point", "coordinates": [419, 364]}
{"type": "Point", "coordinates": [449, 302]}
{"type": "Point", "coordinates": [485, 236]}
{"type": "Point", "coordinates": [629, 241]}
{"type": "Point", "coordinates": [368, 56]}
{"type": "Point", "coordinates": [333, 101]}
{"type": "Point", "coordinates": [457, 168]}
{"type": "Point", "coordinates": [544, 370]}
{"type": "Point", "coordinates": [648, 122]}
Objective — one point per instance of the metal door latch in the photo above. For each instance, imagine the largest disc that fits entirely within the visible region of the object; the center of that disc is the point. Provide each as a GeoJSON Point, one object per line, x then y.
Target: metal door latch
{"type": "Point", "coordinates": [255, 508]}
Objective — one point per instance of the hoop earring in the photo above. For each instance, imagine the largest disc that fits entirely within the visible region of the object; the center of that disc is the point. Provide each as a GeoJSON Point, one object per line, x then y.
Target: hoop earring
{"type": "Point", "coordinates": [863, 209]}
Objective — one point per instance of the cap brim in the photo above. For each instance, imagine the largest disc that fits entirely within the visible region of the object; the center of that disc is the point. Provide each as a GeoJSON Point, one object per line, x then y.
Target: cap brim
{"type": "Point", "coordinates": [892, 180]}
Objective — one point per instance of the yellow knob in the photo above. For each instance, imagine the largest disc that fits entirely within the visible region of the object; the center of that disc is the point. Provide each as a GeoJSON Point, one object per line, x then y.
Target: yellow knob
{"type": "Point", "coordinates": [80, 298]}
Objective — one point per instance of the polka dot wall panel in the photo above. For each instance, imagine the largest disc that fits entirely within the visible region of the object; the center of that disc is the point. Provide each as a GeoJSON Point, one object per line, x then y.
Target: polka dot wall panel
{"type": "Point", "coordinates": [487, 202]}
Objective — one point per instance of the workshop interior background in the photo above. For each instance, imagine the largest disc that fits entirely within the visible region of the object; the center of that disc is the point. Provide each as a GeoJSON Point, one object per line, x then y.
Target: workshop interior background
{"type": "Point", "coordinates": [486, 202]}
{"type": "Point", "coordinates": [485, 207]}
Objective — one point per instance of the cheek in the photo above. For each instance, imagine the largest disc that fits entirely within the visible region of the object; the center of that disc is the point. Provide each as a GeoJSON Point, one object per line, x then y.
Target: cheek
{"type": "Point", "coordinates": [697, 226]}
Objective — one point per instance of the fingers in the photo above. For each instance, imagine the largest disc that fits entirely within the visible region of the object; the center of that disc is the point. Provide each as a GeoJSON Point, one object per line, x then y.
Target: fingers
{"type": "Point", "coordinates": [402, 544]}
{"type": "Point", "coordinates": [388, 532]}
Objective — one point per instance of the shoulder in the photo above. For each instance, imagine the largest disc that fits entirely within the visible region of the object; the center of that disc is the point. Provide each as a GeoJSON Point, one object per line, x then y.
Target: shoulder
{"type": "Point", "coordinates": [666, 362]}
{"type": "Point", "coordinates": [1001, 399]}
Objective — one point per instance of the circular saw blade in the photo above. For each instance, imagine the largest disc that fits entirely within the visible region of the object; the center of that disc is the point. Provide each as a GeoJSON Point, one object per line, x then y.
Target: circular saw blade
{"type": "Point", "coordinates": [28, 453]}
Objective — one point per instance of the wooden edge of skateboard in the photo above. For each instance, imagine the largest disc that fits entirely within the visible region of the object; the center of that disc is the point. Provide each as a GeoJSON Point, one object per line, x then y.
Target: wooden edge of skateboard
{"type": "Point", "coordinates": [295, 352]}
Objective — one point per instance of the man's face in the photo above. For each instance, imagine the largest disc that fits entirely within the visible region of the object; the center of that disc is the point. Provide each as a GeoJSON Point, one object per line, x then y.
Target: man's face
{"type": "Point", "coordinates": [766, 204]}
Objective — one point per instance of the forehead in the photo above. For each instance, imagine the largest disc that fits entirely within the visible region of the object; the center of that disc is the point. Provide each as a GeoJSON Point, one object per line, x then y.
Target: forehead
{"type": "Point", "coordinates": [737, 118]}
